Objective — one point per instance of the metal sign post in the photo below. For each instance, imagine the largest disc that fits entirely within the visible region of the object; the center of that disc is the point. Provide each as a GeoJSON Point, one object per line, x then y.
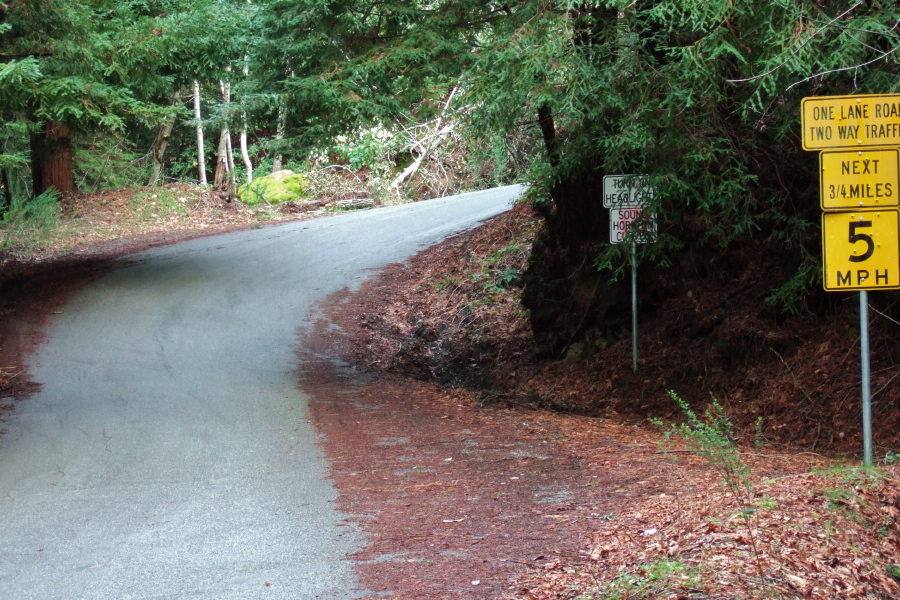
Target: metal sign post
{"type": "Point", "coordinates": [859, 180]}
{"type": "Point", "coordinates": [866, 377]}
{"type": "Point", "coordinates": [634, 332]}
{"type": "Point", "coordinates": [626, 206]}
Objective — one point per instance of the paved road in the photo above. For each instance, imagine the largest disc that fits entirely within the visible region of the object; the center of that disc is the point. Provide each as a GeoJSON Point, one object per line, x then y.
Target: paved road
{"type": "Point", "coordinates": [168, 454]}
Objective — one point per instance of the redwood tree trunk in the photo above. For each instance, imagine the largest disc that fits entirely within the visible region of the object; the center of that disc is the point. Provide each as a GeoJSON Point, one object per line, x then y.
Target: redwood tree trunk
{"type": "Point", "coordinates": [51, 159]}
{"type": "Point", "coordinates": [568, 299]}
{"type": "Point", "coordinates": [6, 202]}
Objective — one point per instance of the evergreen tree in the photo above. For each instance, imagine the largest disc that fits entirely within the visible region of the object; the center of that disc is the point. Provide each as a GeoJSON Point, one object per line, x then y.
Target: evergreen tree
{"type": "Point", "coordinates": [701, 95]}
{"type": "Point", "coordinates": [103, 66]}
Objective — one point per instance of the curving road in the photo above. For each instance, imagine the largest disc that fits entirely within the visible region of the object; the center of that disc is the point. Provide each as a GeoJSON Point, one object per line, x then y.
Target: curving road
{"type": "Point", "coordinates": [168, 454]}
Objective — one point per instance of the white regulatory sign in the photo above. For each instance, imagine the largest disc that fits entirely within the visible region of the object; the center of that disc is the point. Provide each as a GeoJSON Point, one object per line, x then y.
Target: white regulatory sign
{"type": "Point", "coordinates": [621, 220]}
{"type": "Point", "coordinates": [618, 193]}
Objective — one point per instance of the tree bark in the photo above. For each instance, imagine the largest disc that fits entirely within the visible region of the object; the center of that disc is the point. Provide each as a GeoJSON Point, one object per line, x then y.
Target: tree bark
{"type": "Point", "coordinates": [163, 134]}
{"type": "Point", "coordinates": [565, 295]}
{"type": "Point", "coordinates": [7, 191]}
{"type": "Point", "coordinates": [223, 164]}
{"type": "Point", "coordinates": [201, 160]}
{"type": "Point", "coordinates": [548, 132]}
{"type": "Point", "coordinates": [245, 154]}
{"type": "Point", "coordinates": [280, 129]}
{"type": "Point", "coordinates": [51, 159]}
{"type": "Point", "coordinates": [248, 165]}
{"type": "Point", "coordinates": [222, 170]}
{"type": "Point", "coordinates": [229, 154]}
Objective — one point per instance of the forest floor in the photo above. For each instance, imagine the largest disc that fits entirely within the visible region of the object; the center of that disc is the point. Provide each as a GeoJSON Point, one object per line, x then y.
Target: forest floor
{"type": "Point", "coordinates": [478, 470]}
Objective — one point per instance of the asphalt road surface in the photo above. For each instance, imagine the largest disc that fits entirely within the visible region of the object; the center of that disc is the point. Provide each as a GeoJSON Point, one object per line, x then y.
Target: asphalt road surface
{"type": "Point", "coordinates": [168, 454]}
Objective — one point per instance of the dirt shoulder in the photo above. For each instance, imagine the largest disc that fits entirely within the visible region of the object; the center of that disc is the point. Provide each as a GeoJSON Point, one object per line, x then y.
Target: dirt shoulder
{"type": "Point", "coordinates": [490, 490]}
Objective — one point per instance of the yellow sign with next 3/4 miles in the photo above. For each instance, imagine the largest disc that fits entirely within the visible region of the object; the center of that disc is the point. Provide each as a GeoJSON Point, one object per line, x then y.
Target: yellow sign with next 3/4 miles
{"type": "Point", "coordinates": [855, 179]}
{"type": "Point", "coordinates": [860, 250]}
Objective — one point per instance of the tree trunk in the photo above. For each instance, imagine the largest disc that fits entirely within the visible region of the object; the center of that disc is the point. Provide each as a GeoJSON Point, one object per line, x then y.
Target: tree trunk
{"type": "Point", "coordinates": [567, 298]}
{"type": "Point", "coordinates": [229, 154]}
{"type": "Point", "coordinates": [51, 159]}
{"type": "Point", "coordinates": [201, 160]}
{"type": "Point", "coordinates": [248, 165]}
{"type": "Point", "coordinates": [163, 134]}
{"type": "Point", "coordinates": [7, 191]}
{"type": "Point", "coordinates": [572, 304]}
{"type": "Point", "coordinates": [223, 162]}
{"type": "Point", "coordinates": [280, 129]}
{"type": "Point", "coordinates": [220, 177]}
{"type": "Point", "coordinates": [548, 132]}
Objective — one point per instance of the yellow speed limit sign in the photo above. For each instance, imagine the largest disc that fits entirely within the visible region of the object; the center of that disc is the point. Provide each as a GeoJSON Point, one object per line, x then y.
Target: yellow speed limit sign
{"type": "Point", "coordinates": [860, 250]}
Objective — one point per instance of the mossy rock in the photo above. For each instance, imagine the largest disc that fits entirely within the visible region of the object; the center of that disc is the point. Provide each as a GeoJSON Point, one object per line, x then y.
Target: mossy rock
{"type": "Point", "coordinates": [279, 187]}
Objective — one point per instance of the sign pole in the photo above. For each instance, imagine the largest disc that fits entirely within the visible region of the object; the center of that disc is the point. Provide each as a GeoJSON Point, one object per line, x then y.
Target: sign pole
{"type": "Point", "coordinates": [858, 170]}
{"type": "Point", "coordinates": [626, 204]}
{"type": "Point", "coordinates": [634, 327]}
{"type": "Point", "coordinates": [866, 377]}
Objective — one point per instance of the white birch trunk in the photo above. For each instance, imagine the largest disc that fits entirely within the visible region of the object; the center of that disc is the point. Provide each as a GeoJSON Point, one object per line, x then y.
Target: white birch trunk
{"type": "Point", "coordinates": [201, 160]}
{"type": "Point", "coordinates": [244, 153]}
{"type": "Point", "coordinates": [229, 153]}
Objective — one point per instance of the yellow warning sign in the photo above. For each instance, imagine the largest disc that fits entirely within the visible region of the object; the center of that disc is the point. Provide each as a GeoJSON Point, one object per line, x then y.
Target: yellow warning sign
{"type": "Point", "coordinates": [859, 179]}
{"type": "Point", "coordinates": [850, 121]}
{"type": "Point", "coordinates": [860, 250]}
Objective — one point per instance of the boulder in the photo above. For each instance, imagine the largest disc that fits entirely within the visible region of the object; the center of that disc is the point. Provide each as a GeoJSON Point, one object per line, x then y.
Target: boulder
{"type": "Point", "coordinates": [281, 186]}
{"type": "Point", "coordinates": [279, 175]}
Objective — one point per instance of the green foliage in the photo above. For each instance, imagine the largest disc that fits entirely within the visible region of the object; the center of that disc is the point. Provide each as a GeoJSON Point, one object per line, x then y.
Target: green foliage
{"type": "Point", "coordinates": [110, 65]}
{"type": "Point", "coordinates": [371, 148]}
{"type": "Point", "coordinates": [854, 475]}
{"type": "Point", "coordinates": [501, 271]}
{"type": "Point", "coordinates": [272, 190]}
{"type": "Point", "coordinates": [107, 163]}
{"type": "Point", "coordinates": [702, 96]}
{"type": "Point", "coordinates": [713, 440]}
{"type": "Point", "coordinates": [894, 572]}
{"type": "Point", "coordinates": [158, 204]}
{"type": "Point", "coordinates": [29, 219]}
{"type": "Point", "coordinates": [650, 581]}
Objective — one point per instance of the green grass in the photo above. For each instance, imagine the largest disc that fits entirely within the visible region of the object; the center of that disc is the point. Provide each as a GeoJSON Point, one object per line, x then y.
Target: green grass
{"type": "Point", "coordinates": [651, 581]}
{"type": "Point", "coordinates": [30, 223]}
{"type": "Point", "coordinates": [160, 204]}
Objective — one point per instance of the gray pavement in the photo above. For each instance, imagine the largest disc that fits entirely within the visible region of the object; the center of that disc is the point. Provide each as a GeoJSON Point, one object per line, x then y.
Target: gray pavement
{"type": "Point", "coordinates": [169, 453]}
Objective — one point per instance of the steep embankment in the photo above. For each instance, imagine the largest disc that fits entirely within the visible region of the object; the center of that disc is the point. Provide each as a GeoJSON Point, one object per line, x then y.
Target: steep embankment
{"type": "Point", "coordinates": [480, 492]}
{"type": "Point", "coordinates": [705, 328]}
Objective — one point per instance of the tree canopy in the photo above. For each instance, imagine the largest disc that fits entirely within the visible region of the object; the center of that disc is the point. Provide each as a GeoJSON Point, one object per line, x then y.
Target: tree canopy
{"type": "Point", "coordinates": [702, 96]}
